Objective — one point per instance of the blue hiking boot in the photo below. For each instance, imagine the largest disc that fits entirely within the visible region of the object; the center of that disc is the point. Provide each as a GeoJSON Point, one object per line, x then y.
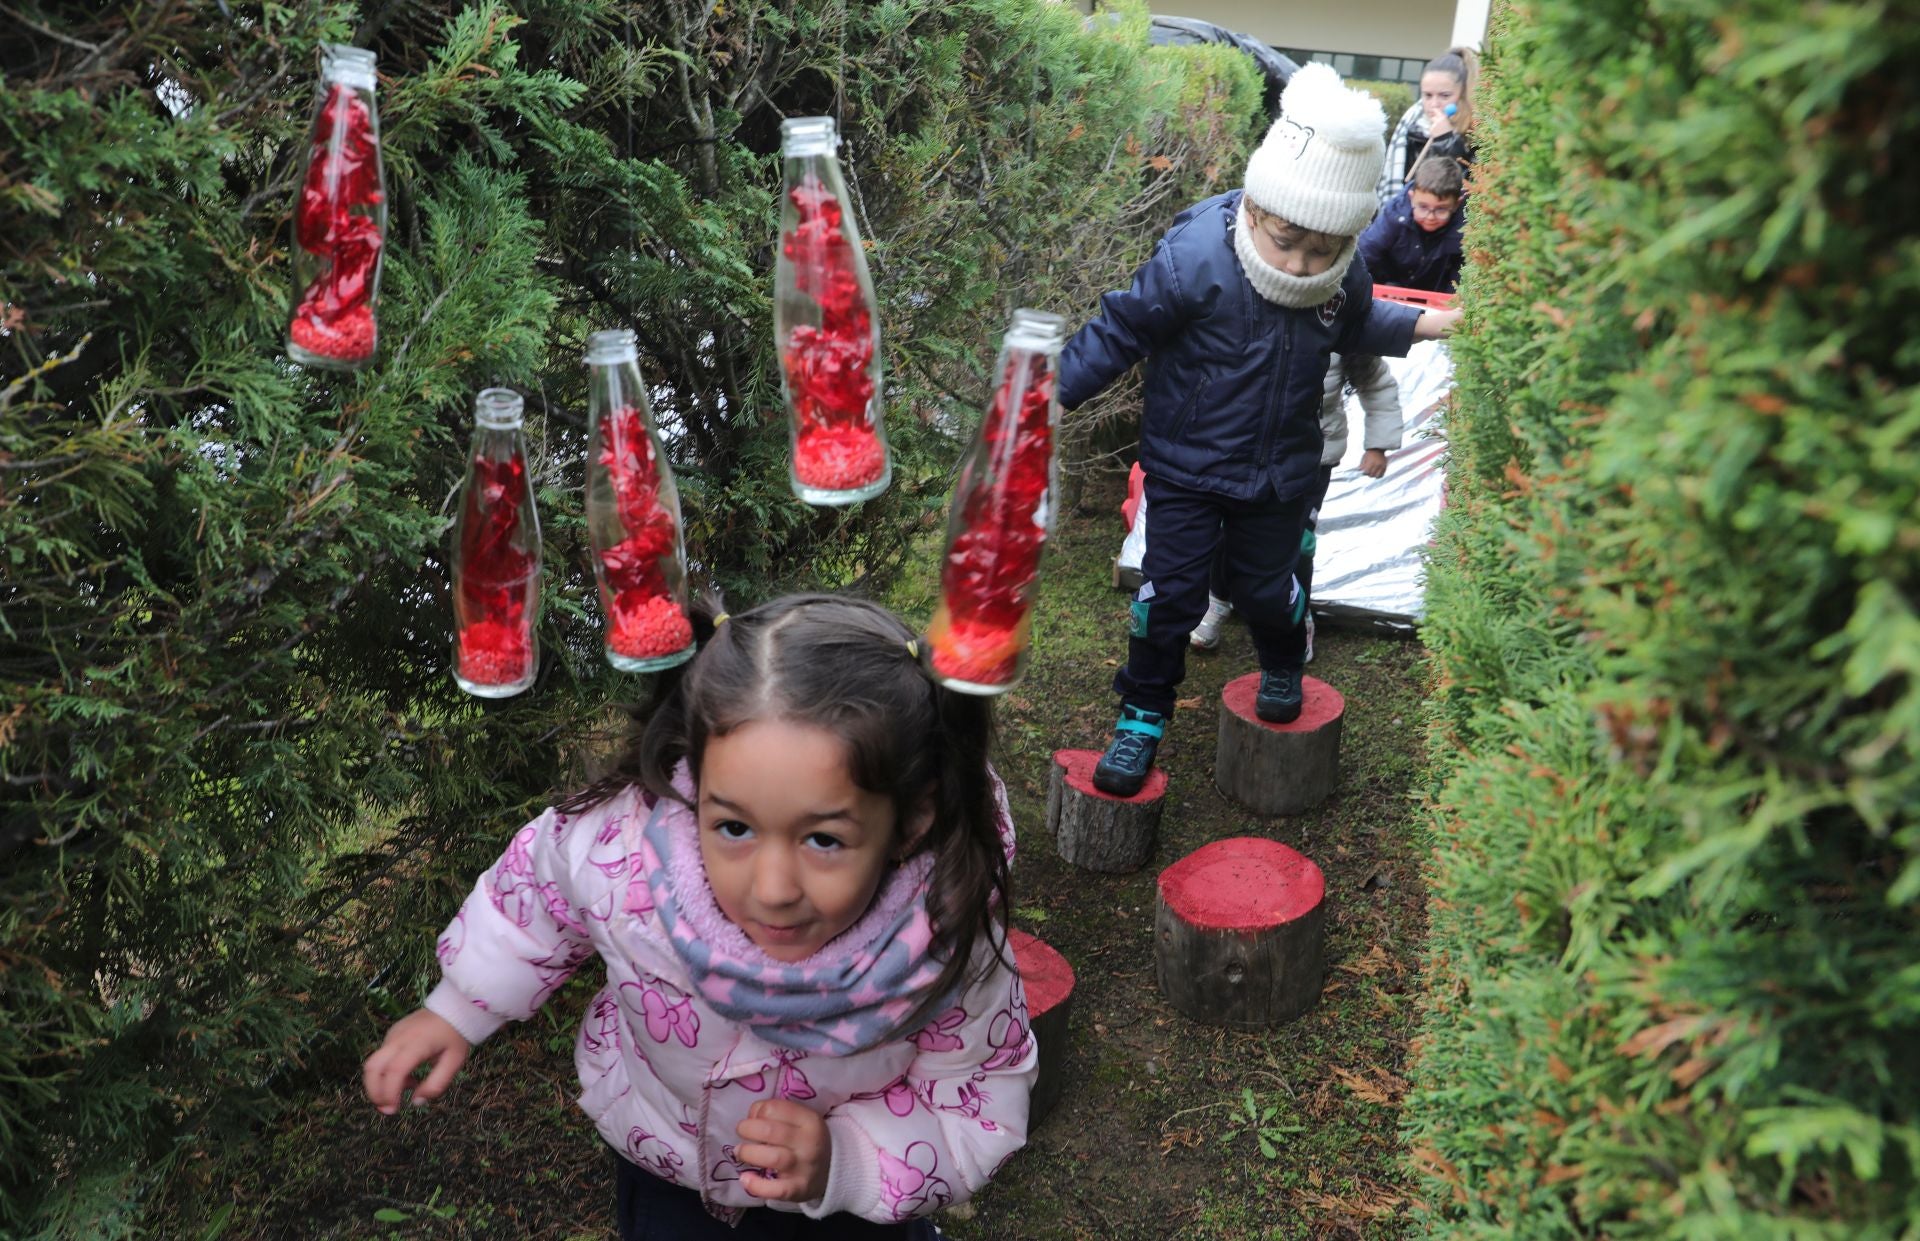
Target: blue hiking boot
{"type": "Point", "coordinates": [1280, 696]}
{"type": "Point", "coordinates": [1124, 767]}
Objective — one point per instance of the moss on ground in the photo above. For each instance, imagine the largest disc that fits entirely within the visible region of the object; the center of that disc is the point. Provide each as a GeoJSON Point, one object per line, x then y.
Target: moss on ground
{"type": "Point", "coordinates": [1150, 1139]}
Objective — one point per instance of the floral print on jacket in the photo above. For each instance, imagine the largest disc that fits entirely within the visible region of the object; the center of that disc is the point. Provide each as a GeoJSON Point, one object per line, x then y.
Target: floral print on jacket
{"type": "Point", "coordinates": [917, 1123]}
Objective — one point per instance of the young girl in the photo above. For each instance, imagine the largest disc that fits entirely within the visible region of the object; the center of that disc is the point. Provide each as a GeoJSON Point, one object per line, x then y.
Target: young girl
{"type": "Point", "coordinates": [798, 883]}
{"type": "Point", "coordinates": [1427, 128]}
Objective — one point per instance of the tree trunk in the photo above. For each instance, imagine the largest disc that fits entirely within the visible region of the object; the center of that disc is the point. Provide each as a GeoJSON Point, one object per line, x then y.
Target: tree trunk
{"type": "Point", "coordinates": [1095, 830]}
{"type": "Point", "coordinates": [1279, 768]}
{"type": "Point", "coordinates": [1240, 933]}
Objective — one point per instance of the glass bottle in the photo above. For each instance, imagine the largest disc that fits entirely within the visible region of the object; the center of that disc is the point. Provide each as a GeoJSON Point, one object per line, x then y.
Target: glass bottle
{"type": "Point", "coordinates": [633, 515]}
{"type": "Point", "coordinates": [825, 326]}
{"type": "Point", "coordinates": [999, 518]}
{"type": "Point", "coordinates": [496, 558]}
{"type": "Point", "coordinates": [340, 220]}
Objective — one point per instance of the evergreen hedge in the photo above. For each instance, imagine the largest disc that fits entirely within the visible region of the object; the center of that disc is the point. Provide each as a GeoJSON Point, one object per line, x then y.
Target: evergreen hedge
{"type": "Point", "coordinates": [238, 788]}
{"type": "Point", "coordinates": [1675, 955]}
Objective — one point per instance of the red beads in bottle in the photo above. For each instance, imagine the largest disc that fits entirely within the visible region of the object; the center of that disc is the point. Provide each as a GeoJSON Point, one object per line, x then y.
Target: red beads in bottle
{"type": "Point", "coordinates": [825, 327]}
{"type": "Point", "coordinates": [999, 518]}
{"type": "Point", "coordinates": [496, 559]}
{"type": "Point", "coordinates": [340, 221]}
{"type": "Point", "coordinates": [633, 516]}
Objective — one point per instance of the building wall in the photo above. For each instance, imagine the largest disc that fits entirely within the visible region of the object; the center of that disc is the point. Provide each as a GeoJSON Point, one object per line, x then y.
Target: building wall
{"type": "Point", "coordinates": [1416, 29]}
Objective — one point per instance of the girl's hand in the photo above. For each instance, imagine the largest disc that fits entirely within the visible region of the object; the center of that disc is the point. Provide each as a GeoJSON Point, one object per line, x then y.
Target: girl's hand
{"type": "Point", "coordinates": [416, 1039]}
{"type": "Point", "coordinates": [790, 1140]}
{"type": "Point", "coordinates": [1373, 462]}
{"type": "Point", "coordinates": [1435, 324]}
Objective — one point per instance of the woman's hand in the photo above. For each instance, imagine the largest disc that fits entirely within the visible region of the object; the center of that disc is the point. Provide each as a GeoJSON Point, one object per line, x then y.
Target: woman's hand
{"type": "Point", "coordinates": [790, 1141]}
{"type": "Point", "coordinates": [416, 1039]}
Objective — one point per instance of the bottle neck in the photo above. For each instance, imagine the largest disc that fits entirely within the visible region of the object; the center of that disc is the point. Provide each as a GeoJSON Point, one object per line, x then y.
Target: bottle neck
{"type": "Point", "coordinates": [350, 66]}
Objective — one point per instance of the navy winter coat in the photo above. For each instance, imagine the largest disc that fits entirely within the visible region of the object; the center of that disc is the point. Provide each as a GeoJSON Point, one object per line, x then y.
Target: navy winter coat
{"type": "Point", "coordinates": [1398, 251]}
{"type": "Point", "coordinates": [1233, 381]}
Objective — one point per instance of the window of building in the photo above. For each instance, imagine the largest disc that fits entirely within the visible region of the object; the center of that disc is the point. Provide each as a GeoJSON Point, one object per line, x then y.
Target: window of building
{"type": "Point", "coordinates": [1356, 65]}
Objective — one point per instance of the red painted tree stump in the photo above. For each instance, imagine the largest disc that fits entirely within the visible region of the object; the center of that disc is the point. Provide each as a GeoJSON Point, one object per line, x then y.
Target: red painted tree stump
{"type": "Point", "coordinates": [1048, 981]}
{"type": "Point", "coordinates": [1240, 933]}
{"type": "Point", "coordinates": [1279, 768]}
{"type": "Point", "coordinates": [1095, 830]}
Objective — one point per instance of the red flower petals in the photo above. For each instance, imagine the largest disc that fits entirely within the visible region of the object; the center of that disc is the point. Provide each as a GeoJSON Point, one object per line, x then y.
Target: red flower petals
{"type": "Point", "coordinates": [493, 653]}
{"type": "Point", "coordinates": [829, 368]}
{"type": "Point", "coordinates": [839, 458]}
{"type": "Point", "coordinates": [647, 626]}
{"type": "Point", "coordinates": [644, 619]}
{"type": "Point", "coordinates": [994, 559]}
{"type": "Point", "coordinates": [334, 318]}
{"type": "Point", "coordinates": [497, 578]}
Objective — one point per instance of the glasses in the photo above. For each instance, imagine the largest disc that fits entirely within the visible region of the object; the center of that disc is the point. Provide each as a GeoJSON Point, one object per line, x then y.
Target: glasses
{"type": "Point", "coordinates": [1432, 213]}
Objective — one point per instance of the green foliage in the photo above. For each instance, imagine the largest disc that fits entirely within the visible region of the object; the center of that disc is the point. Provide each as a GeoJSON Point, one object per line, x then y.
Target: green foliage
{"type": "Point", "coordinates": [238, 789]}
{"type": "Point", "coordinates": [1395, 97]}
{"type": "Point", "coordinates": [1672, 604]}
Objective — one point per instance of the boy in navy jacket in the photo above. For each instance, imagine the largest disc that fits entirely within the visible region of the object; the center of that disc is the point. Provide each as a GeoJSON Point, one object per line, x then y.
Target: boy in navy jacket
{"type": "Point", "coordinates": [1416, 241]}
{"type": "Point", "coordinates": [1236, 314]}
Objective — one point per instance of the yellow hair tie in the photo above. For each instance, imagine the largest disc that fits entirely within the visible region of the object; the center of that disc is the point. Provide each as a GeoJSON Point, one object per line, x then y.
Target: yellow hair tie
{"type": "Point", "coordinates": [720, 620]}
{"type": "Point", "coordinates": [913, 647]}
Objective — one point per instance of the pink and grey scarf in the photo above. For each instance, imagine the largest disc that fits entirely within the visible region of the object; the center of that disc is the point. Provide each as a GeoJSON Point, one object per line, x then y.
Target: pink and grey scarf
{"type": "Point", "coordinates": [851, 995]}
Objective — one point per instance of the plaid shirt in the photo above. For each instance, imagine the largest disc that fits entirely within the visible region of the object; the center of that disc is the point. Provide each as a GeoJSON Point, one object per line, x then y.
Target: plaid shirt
{"type": "Point", "coordinates": [1393, 177]}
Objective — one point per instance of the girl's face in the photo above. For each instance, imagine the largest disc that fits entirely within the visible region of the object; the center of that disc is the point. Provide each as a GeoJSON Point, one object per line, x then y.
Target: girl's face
{"type": "Point", "coordinates": [1437, 90]}
{"type": "Point", "coordinates": [794, 849]}
{"type": "Point", "coordinates": [1299, 252]}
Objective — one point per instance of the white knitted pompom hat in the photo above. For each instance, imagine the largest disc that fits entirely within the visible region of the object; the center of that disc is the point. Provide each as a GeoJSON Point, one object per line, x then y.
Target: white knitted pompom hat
{"type": "Point", "coordinates": [1320, 161]}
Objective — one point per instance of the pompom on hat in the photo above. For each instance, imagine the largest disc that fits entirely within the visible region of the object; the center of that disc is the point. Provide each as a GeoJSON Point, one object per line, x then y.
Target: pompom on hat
{"type": "Point", "coordinates": [1318, 164]}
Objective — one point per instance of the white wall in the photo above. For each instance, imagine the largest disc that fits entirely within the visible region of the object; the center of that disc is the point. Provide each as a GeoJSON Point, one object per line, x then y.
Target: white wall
{"type": "Point", "coordinates": [1417, 28]}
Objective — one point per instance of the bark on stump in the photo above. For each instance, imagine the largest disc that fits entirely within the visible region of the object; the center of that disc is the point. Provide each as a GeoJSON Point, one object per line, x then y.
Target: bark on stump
{"type": "Point", "coordinates": [1095, 830]}
{"type": "Point", "coordinates": [1240, 933]}
{"type": "Point", "coordinates": [1279, 768]}
{"type": "Point", "coordinates": [1048, 981]}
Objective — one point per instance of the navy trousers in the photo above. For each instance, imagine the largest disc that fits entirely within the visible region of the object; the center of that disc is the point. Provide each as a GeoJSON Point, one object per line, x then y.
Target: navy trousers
{"type": "Point", "coordinates": [650, 1209]}
{"type": "Point", "coordinates": [1257, 542]}
{"type": "Point", "coordinates": [1294, 645]}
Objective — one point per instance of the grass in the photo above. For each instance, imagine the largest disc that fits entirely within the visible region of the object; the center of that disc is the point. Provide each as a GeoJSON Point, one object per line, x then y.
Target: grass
{"type": "Point", "coordinates": [1151, 1138]}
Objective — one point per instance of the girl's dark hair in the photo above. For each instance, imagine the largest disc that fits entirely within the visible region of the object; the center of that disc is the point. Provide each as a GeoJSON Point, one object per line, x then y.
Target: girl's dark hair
{"type": "Point", "coordinates": [848, 666]}
{"type": "Point", "coordinates": [1462, 64]}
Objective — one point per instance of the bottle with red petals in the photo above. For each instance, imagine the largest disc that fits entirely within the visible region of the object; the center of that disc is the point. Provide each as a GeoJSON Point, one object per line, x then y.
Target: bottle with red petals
{"type": "Point", "coordinates": [633, 515]}
{"type": "Point", "coordinates": [999, 518]}
{"type": "Point", "coordinates": [496, 556]}
{"type": "Point", "coordinates": [826, 326]}
{"type": "Point", "coordinates": [340, 220]}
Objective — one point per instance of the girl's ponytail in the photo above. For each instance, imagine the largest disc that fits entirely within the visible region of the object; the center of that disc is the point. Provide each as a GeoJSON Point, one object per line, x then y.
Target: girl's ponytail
{"type": "Point", "coordinates": [655, 723]}
{"type": "Point", "coordinates": [971, 885]}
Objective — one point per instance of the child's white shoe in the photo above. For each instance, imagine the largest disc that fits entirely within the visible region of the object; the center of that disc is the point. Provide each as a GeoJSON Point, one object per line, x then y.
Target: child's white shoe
{"type": "Point", "coordinates": [1206, 635]}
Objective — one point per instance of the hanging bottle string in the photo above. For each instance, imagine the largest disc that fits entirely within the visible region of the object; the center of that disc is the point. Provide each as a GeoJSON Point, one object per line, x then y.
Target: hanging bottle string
{"type": "Point", "coordinates": [496, 562]}
{"type": "Point", "coordinates": [825, 327]}
{"type": "Point", "coordinates": [999, 518]}
{"type": "Point", "coordinates": [633, 516]}
{"type": "Point", "coordinates": [340, 221]}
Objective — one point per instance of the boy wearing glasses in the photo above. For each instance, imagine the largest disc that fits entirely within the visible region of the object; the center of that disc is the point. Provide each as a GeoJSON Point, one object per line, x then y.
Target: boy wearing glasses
{"type": "Point", "coordinates": [1416, 241]}
{"type": "Point", "coordinates": [1236, 314]}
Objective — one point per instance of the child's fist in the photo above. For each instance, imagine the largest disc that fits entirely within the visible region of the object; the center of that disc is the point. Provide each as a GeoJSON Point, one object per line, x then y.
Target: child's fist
{"type": "Point", "coordinates": [792, 1143]}
{"type": "Point", "coordinates": [1373, 462]}
{"type": "Point", "coordinates": [416, 1039]}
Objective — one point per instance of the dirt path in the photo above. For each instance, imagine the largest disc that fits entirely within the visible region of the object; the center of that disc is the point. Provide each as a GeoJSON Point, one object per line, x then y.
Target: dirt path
{"type": "Point", "coordinates": [1150, 1139]}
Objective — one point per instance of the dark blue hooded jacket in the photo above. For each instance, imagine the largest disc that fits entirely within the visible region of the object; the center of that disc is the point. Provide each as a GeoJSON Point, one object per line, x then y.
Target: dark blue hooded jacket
{"type": "Point", "coordinates": [1233, 383]}
{"type": "Point", "coordinates": [1398, 251]}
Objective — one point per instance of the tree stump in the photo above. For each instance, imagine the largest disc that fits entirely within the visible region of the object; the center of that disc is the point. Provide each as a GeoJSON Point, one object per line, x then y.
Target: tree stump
{"type": "Point", "coordinates": [1048, 981]}
{"type": "Point", "coordinates": [1279, 768]}
{"type": "Point", "coordinates": [1095, 830]}
{"type": "Point", "coordinates": [1240, 932]}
